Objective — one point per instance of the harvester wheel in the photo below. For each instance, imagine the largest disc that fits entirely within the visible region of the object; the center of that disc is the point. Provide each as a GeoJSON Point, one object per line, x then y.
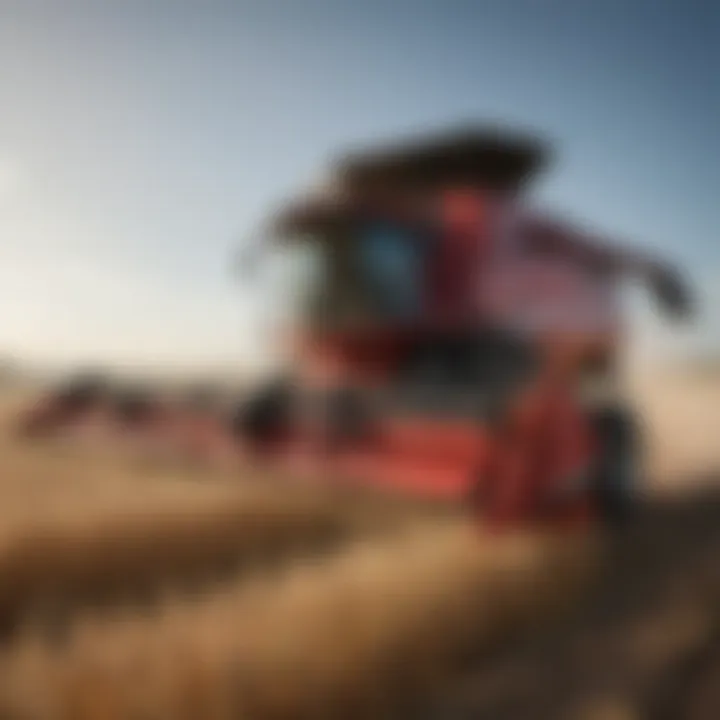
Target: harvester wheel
{"type": "Point", "coordinates": [265, 415]}
{"type": "Point", "coordinates": [616, 473]}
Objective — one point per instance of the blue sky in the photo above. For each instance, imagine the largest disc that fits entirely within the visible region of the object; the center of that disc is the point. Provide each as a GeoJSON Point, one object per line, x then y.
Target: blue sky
{"type": "Point", "coordinates": [139, 139]}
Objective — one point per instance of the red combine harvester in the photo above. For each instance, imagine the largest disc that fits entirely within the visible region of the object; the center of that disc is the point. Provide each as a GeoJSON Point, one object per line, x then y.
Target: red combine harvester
{"type": "Point", "coordinates": [452, 343]}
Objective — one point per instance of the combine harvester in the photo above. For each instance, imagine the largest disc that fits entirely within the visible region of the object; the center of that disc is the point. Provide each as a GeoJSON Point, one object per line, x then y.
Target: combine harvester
{"type": "Point", "coordinates": [454, 343]}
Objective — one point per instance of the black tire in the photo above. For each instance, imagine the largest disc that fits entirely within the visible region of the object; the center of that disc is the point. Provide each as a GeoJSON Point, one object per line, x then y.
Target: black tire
{"type": "Point", "coordinates": [265, 415]}
{"type": "Point", "coordinates": [615, 481]}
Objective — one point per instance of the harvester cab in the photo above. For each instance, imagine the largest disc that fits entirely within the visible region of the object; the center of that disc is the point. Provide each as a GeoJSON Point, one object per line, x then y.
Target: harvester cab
{"type": "Point", "coordinates": [442, 326]}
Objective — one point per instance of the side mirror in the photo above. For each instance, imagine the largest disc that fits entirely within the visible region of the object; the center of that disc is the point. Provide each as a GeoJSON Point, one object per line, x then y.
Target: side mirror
{"type": "Point", "coordinates": [672, 293]}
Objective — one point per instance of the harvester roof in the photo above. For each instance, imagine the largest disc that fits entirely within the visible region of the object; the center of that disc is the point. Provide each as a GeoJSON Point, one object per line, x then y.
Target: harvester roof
{"type": "Point", "coordinates": [477, 156]}
{"type": "Point", "coordinates": [487, 158]}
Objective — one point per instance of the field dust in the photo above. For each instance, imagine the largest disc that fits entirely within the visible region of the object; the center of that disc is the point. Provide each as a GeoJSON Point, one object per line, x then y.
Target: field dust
{"type": "Point", "coordinates": [136, 589]}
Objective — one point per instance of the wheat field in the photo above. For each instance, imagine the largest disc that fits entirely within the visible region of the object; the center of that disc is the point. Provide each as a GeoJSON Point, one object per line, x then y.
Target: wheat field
{"type": "Point", "coordinates": [138, 589]}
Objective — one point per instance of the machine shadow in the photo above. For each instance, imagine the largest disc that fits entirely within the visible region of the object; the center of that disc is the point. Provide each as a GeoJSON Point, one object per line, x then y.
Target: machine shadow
{"type": "Point", "coordinates": [647, 641]}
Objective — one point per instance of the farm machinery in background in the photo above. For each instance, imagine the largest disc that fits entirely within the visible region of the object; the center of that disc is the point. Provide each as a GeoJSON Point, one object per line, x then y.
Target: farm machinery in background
{"type": "Point", "coordinates": [450, 341]}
